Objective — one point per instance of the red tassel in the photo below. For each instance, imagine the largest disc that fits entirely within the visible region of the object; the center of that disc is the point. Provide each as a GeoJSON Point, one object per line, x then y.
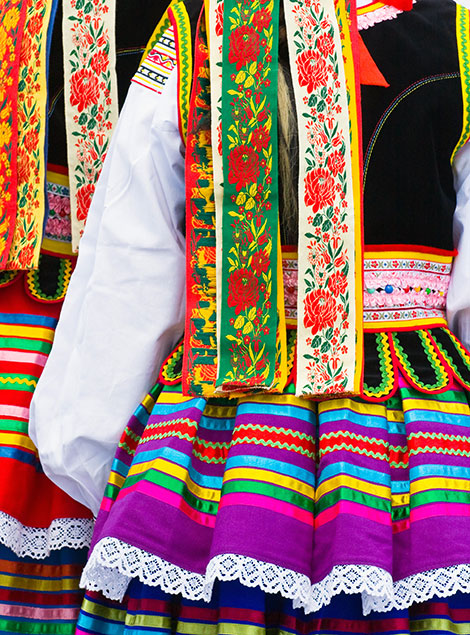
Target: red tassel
{"type": "Point", "coordinates": [403, 5]}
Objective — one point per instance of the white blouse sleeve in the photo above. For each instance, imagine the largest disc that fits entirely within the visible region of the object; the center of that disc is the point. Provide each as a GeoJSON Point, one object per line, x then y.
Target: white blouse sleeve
{"type": "Point", "coordinates": [124, 309]}
{"type": "Point", "coordinates": [458, 297]}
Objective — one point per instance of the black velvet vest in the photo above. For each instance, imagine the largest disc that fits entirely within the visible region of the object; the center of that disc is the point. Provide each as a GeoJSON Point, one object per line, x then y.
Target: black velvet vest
{"type": "Point", "coordinates": [410, 129]}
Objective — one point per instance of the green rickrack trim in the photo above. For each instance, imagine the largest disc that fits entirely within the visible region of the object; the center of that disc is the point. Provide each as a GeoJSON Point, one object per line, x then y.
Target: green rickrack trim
{"type": "Point", "coordinates": [386, 369]}
{"type": "Point", "coordinates": [442, 378]}
{"type": "Point", "coordinates": [7, 277]}
{"type": "Point", "coordinates": [171, 371]}
{"type": "Point", "coordinates": [448, 358]}
{"type": "Point", "coordinates": [463, 26]}
{"type": "Point", "coordinates": [184, 55]}
{"type": "Point", "coordinates": [33, 284]}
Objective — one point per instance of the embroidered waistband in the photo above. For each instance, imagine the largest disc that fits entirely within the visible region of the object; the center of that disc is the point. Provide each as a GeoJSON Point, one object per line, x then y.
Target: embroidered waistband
{"type": "Point", "coordinates": [402, 289]}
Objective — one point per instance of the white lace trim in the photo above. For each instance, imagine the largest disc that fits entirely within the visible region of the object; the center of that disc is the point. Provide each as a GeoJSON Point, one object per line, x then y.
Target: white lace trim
{"type": "Point", "coordinates": [35, 542]}
{"type": "Point", "coordinates": [113, 564]}
{"type": "Point", "coordinates": [367, 20]}
{"type": "Point", "coordinates": [421, 587]}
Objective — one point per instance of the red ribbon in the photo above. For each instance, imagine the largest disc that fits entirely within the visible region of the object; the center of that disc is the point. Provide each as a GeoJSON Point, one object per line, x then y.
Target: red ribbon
{"type": "Point", "coordinates": [403, 5]}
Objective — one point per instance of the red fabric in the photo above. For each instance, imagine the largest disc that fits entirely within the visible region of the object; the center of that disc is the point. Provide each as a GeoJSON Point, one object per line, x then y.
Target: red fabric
{"type": "Point", "coordinates": [404, 5]}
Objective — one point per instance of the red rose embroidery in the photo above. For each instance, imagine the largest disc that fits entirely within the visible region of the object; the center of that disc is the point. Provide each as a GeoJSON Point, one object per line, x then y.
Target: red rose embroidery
{"type": "Point", "coordinates": [26, 255]}
{"type": "Point", "coordinates": [261, 19]}
{"type": "Point", "coordinates": [319, 189]}
{"type": "Point", "coordinates": [219, 20]}
{"type": "Point", "coordinates": [84, 196]}
{"type": "Point", "coordinates": [84, 89]}
{"type": "Point", "coordinates": [35, 24]}
{"type": "Point", "coordinates": [337, 283]}
{"type": "Point", "coordinates": [260, 262]}
{"type": "Point", "coordinates": [24, 167]}
{"type": "Point", "coordinates": [320, 310]}
{"type": "Point", "coordinates": [99, 62]}
{"type": "Point", "coordinates": [26, 51]}
{"type": "Point", "coordinates": [260, 138]}
{"type": "Point", "coordinates": [336, 163]}
{"type": "Point", "coordinates": [325, 44]}
{"type": "Point", "coordinates": [243, 290]}
{"type": "Point", "coordinates": [31, 140]}
{"type": "Point", "coordinates": [312, 69]}
{"type": "Point", "coordinates": [244, 46]}
{"type": "Point", "coordinates": [243, 166]}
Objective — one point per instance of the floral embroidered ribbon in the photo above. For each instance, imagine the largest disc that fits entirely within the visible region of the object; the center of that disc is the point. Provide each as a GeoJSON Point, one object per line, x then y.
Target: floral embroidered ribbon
{"type": "Point", "coordinates": [247, 208]}
{"type": "Point", "coordinates": [91, 106]}
{"type": "Point", "coordinates": [12, 17]}
{"type": "Point", "coordinates": [243, 98]}
{"type": "Point", "coordinates": [32, 117]}
{"type": "Point", "coordinates": [330, 239]}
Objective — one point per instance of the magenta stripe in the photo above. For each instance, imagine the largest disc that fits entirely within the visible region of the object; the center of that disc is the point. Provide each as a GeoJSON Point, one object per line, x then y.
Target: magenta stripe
{"type": "Point", "coordinates": [439, 509]}
{"type": "Point", "coordinates": [266, 502]}
{"type": "Point", "coordinates": [37, 613]}
{"type": "Point", "coordinates": [355, 509]}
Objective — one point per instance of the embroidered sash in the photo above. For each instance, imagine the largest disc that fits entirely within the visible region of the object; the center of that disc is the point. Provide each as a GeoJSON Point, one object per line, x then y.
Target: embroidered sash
{"type": "Point", "coordinates": [12, 17]}
{"type": "Point", "coordinates": [91, 105]}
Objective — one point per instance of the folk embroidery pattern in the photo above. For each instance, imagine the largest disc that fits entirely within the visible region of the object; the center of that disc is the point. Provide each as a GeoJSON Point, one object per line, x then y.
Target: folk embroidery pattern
{"type": "Point", "coordinates": [32, 101]}
{"type": "Point", "coordinates": [325, 299]}
{"type": "Point", "coordinates": [90, 98]}
{"type": "Point", "coordinates": [12, 17]}
{"type": "Point", "coordinates": [247, 342]}
{"type": "Point", "coordinates": [200, 349]}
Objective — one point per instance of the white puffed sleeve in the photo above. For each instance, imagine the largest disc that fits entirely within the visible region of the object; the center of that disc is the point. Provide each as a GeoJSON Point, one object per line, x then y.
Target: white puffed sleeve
{"type": "Point", "coordinates": [124, 309]}
{"type": "Point", "coordinates": [458, 298]}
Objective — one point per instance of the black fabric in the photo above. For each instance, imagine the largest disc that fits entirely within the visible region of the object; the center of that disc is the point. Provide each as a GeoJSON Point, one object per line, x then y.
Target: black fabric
{"type": "Point", "coordinates": [49, 275]}
{"type": "Point", "coordinates": [409, 196]}
{"type": "Point", "coordinates": [135, 23]}
{"type": "Point", "coordinates": [372, 371]}
{"type": "Point", "coordinates": [417, 357]}
{"type": "Point", "coordinates": [445, 341]}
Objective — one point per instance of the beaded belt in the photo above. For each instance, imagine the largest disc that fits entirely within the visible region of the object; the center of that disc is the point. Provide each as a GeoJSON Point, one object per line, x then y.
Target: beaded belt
{"type": "Point", "coordinates": [402, 289]}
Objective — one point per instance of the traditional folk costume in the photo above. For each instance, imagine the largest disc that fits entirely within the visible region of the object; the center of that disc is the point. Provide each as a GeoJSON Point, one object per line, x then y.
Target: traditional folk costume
{"type": "Point", "coordinates": [302, 464]}
{"type": "Point", "coordinates": [44, 533]}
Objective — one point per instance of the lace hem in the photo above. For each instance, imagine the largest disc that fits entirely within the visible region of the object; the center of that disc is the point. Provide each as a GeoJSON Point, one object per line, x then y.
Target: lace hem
{"type": "Point", "coordinates": [35, 542]}
{"type": "Point", "coordinates": [367, 20]}
{"type": "Point", "coordinates": [420, 588]}
{"type": "Point", "coordinates": [113, 564]}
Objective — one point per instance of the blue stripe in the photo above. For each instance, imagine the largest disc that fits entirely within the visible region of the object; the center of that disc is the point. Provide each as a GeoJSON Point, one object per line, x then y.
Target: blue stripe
{"type": "Point", "coordinates": [24, 319]}
{"type": "Point", "coordinates": [365, 420]}
{"type": "Point", "coordinates": [277, 410]}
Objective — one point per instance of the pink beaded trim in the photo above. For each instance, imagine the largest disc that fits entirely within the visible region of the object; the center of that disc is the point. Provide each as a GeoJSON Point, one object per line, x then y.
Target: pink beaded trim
{"type": "Point", "coordinates": [395, 289]}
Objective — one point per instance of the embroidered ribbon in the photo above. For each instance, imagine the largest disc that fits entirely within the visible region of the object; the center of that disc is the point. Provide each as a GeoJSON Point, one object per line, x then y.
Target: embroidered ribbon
{"type": "Point", "coordinates": [330, 241]}
{"type": "Point", "coordinates": [200, 347]}
{"type": "Point", "coordinates": [12, 17]}
{"type": "Point", "coordinates": [32, 117]}
{"type": "Point", "coordinates": [91, 106]}
{"type": "Point", "coordinates": [248, 221]}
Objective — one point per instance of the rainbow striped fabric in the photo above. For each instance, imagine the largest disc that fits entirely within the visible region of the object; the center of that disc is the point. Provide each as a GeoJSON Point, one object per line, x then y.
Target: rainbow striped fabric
{"type": "Point", "coordinates": [202, 491]}
{"type": "Point", "coordinates": [235, 610]}
{"type": "Point", "coordinates": [43, 532]}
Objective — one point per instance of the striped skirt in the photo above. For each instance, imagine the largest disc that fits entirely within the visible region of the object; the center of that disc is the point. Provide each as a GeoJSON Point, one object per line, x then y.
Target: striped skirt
{"type": "Point", "coordinates": [289, 499]}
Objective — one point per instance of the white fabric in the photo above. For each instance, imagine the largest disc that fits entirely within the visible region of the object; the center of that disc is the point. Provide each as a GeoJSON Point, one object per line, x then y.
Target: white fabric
{"type": "Point", "coordinates": [124, 309]}
{"type": "Point", "coordinates": [458, 297]}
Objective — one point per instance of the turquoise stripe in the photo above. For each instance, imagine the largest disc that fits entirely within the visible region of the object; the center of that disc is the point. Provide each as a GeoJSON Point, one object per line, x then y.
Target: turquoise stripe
{"type": "Point", "coordinates": [356, 471]}
{"type": "Point", "coordinates": [277, 410]}
{"type": "Point", "coordinates": [364, 420]}
{"type": "Point", "coordinates": [449, 471]}
{"type": "Point", "coordinates": [142, 414]}
{"type": "Point", "coordinates": [437, 416]}
{"type": "Point", "coordinates": [275, 466]}
{"type": "Point", "coordinates": [400, 487]}
{"type": "Point", "coordinates": [212, 423]}
{"type": "Point", "coordinates": [22, 318]}
{"type": "Point", "coordinates": [120, 467]}
{"type": "Point", "coordinates": [96, 625]}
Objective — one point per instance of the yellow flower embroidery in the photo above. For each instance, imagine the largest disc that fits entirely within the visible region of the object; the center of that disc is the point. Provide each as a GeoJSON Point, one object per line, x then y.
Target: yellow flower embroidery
{"type": "Point", "coordinates": [11, 19]}
{"type": "Point", "coordinates": [3, 42]}
{"type": "Point", "coordinates": [5, 133]}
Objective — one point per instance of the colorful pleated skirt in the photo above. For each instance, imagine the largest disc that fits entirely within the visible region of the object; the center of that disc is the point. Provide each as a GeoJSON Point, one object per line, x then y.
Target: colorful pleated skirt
{"type": "Point", "coordinates": [331, 512]}
{"type": "Point", "coordinates": [44, 534]}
